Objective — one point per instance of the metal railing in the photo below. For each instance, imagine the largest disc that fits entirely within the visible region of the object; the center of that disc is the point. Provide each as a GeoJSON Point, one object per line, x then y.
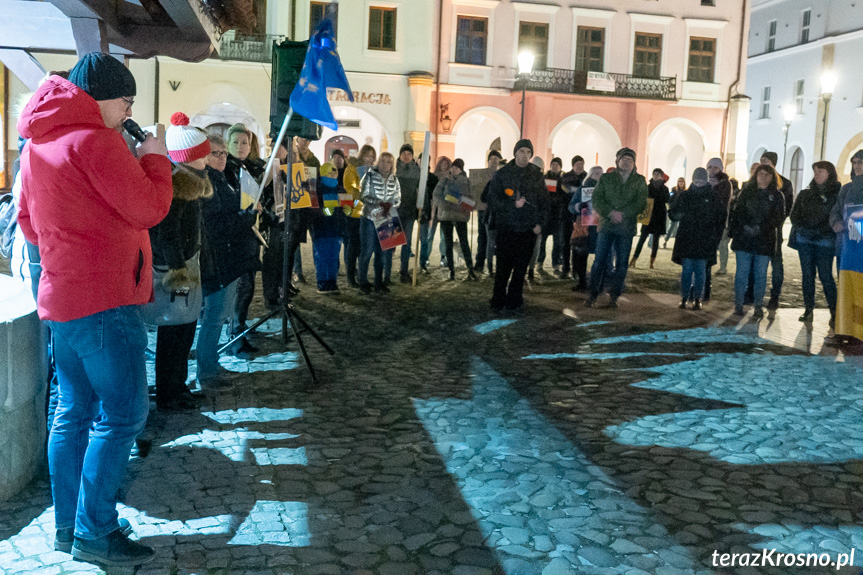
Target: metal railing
{"type": "Point", "coordinates": [247, 48]}
{"type": "Point", "coordinates": [564, 81]}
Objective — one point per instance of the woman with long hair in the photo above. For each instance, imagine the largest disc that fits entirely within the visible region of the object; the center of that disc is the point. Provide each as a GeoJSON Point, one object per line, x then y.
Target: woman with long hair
{"type": "Point", "coordinates": [380, 193]}
{"type": "Point", "coordinates": [753, 225]}
{"type": "Point", "coordinates": [814, 239]}
{"type": "Point", "coordinates": [672, 227]}
{"type": "Point", "coordinates": [428, 226]}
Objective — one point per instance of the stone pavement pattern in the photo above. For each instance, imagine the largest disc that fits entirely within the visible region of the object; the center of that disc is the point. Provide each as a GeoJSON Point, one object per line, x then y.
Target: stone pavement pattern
{"type": "Point", "coordinates": [447, 440]}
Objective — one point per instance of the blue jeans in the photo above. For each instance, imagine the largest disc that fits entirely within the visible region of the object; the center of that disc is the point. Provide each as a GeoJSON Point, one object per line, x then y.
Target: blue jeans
{"type": "Point", "coordinates": [427, 232]}
{"type": "Point", "coordinates": [755, 265]}
{"type": "Point", "coordinates": [369, 245]}
{"type": "Point", "coordinates": [101, 372]}
{"type": "Point", "coordinates": [815, 258]}
{"type": "Point", "coordinates": [692, 278]}
{"type": "Point", "coordinates": [217, 308]}
{"type": "Point", "coordinates": [606, 244]}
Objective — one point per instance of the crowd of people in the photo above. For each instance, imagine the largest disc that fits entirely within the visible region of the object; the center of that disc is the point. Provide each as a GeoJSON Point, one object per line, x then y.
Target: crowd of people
{"type": "Point", "coordinates": [164, 235]}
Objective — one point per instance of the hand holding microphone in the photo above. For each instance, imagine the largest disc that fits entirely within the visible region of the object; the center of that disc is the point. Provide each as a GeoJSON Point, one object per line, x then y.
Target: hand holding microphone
{"type": "Point", "coordinates": [149, 144]}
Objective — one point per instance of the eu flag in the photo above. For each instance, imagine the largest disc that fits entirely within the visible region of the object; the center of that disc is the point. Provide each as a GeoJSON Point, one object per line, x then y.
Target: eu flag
{"type": "Point", "coordinates": [321, 70]}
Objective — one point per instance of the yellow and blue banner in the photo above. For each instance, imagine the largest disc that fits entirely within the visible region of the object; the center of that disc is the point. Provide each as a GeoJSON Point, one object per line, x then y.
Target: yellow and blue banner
{"type": "Point", "coordinates": [849, 307]}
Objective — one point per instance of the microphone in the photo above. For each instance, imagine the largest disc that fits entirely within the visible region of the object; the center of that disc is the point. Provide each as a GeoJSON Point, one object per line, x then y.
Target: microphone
{"type": "Point", "coordinates": [134, 130]}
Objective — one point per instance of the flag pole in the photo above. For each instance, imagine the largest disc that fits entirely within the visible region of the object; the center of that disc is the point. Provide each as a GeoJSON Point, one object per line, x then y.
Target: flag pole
{"type": "Point", "coordinates": [421, 194]}
{"type": "Point", "coordinates": [278, 142]}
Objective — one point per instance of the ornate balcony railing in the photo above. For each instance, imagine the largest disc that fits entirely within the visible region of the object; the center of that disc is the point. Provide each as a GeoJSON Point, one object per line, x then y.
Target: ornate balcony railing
{"type": "Point", "coordinates": [564, 81]}
{"type": "Point", "coordinates": [246, 48]}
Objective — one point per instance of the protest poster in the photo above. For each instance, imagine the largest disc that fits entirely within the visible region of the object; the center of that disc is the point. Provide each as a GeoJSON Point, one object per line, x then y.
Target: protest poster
{"type": "Point", "coordinates": [389, 228]}
{"type": "Point", "coordinates": [589, 217]}
{"type": "Point", "coordinates": [250, 190]}
{"type": "Point", "coordinates": [644, 217]}
{"type": "Point", "coordinates": [301, 196]}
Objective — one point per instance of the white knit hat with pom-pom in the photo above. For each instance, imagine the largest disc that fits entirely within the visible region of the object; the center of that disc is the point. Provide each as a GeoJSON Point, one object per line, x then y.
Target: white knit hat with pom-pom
{"type": "Point", "coordinates": [185, 143]}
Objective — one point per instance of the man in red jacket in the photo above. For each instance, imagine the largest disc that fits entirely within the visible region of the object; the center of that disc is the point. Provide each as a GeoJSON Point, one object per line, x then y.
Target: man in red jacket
{"type": "Point", "coordinates": [88, 203]}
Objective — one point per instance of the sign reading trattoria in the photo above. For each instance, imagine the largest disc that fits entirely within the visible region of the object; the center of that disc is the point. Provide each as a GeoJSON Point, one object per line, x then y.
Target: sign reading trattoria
{"type": "Point", "coordinates": [360, 97]}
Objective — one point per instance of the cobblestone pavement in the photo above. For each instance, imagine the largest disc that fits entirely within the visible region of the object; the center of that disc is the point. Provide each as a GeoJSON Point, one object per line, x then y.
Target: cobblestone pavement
{"type": "Point", "coordinates": [447, 440]}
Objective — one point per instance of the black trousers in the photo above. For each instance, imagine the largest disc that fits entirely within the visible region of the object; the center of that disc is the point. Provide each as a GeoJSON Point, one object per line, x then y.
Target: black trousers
{"type": "Point", "coordinates": [352, 246]}
{"type": "Point", "coordinates": [481, 240]}
{"type": "Point", "coordinates": [653, 250]}
{"type": "Point", "coordinates": [272, 264]}
{"type": "Point", "coordinates": [173, 344]}
{"type": "Point", "coordinates": [514, 250]}
{"type": "Point", "coordinates": [245, 293]}
{"type": "Point", "coordinates": [461, 229]}
{"type": "Point", "coordinates": [565, 233]}
{"type": "Point", "coordinates": [579, 263]}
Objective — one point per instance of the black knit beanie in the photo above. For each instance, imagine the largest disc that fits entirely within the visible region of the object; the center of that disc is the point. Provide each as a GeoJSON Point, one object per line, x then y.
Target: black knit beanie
{"type": "Point", "coordinates": [103, 77]}
{"type": "Point", "coordinates": [524, 143]}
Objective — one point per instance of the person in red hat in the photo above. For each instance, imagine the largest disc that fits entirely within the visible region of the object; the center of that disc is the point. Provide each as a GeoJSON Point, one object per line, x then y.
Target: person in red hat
{"type": "Point", "coordinates": [176, 245]}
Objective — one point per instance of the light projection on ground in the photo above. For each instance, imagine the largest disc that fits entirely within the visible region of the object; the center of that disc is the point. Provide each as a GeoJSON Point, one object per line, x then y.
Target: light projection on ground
{"type": "Point", "coordinates": [781, 419]}
{"type": "Point", "coordinates": [490, 326]}
{"type": "Point", "coordinates": [555, 513]}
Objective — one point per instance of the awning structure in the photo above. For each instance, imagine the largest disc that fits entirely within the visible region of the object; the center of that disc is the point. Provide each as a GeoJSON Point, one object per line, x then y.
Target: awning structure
{"type": "Point", "coordinates": [188, 30]}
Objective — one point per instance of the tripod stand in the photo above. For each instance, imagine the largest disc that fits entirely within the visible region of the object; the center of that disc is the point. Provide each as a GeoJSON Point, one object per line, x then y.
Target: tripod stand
{"type": "Point", "coordinates": [290, 316]}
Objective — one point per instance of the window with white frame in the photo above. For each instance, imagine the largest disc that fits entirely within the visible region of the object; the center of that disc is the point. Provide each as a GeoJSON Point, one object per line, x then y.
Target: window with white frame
{"type": "Point", "coordinates": [805, 24]}
{"type": "Point", "coordinates": [771, 35]}
{"type": "Point", "coordinates": [799, 88]}
{"type": "Point", "coordinates": [765, 103]}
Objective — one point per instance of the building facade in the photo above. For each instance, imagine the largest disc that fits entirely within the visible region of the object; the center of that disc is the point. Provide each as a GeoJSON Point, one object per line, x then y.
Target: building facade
{"type": "Point", "coordinates": [663, 77]}
{"type": "Point", "coordinates": [793, 44]}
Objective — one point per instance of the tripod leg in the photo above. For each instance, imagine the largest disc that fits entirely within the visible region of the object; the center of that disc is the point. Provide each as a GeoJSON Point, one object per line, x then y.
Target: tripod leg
{"type": "Point", "coordinates": [293, 317]}
{"type": "Point", "coordinates": [248, 329]}
{"type": "Point", "coordinates": [308, 328]}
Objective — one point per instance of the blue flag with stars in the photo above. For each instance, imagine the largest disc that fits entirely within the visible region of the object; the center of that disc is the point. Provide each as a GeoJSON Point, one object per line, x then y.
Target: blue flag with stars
{"type": "Point", "coordinates": [321, 70]}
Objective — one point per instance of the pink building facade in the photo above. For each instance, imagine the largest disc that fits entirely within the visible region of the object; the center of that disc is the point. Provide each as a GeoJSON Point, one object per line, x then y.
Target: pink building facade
{"type": "Point", "coordinates": [665, 78]}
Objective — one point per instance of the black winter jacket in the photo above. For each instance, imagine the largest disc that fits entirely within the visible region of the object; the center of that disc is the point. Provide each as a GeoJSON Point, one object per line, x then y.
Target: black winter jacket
{"type": "Point", "coordinates": [702, 215]}
{"type": "Point", "coordinates": [178, 237]}
{"type": "Point", "coordinates": [658, 217]}
{"type": "Point", "coordinates": [810, 215]}
{"type": "Point", "coordinates": [755, 220]}
{"type": "Point", "coordinates": [229, 248]}
{"type": "Point", "coordinates": [509, 183]}
{"type": "Point", "coordinates": [409, 182]}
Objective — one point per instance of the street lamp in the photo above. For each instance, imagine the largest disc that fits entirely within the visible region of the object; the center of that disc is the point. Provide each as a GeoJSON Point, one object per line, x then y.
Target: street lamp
{"type": "Point", "coordinates": [789, 113]}
{"type": "Point", "coordinates": [828, 84]}
{"type": "Point", "coordinates": [525, 65]}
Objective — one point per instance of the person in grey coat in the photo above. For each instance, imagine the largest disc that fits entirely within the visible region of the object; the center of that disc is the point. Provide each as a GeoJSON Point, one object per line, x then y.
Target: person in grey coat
{"type": "Point", "coordinates": [454, 215]}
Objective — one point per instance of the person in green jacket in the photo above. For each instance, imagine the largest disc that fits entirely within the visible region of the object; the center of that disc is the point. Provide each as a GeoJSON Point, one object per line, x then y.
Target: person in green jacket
{"type": "Point", "coordinates": [619, 197]}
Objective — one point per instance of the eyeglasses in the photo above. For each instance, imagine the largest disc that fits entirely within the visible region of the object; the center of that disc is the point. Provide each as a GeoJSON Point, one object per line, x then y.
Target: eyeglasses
{"type": "Point", "coordinates": [129, 101]}
{"type": "Point", "coordinates": [217, 154]}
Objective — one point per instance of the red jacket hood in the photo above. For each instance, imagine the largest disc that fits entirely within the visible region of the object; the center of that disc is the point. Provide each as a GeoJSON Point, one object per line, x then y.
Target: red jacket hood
{"type": "Point", "coordinates": [56, 104]}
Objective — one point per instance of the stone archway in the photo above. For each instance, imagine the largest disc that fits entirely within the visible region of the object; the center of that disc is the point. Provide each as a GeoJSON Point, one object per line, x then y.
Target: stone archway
{"type": "Point", "coordinates": [843, 165]}
{"type": "Point", "coordinates": [756, 157]}
{"type": "Point", "coordinates": [360, 126]}
{"type": "Point", "coordinates": [218, 115]}
{"type": "Point", "coordinates": [677, 147]}
{"type": "Point", "coordinates": [476, 130]}
{"type": "Point", "coordinates": [587, 135]}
